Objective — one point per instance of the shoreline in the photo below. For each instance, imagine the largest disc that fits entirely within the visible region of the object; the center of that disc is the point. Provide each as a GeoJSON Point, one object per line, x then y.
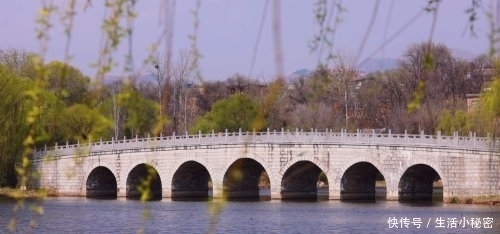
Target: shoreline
{"type": "Point", "coordinates": [11, 193]}
{"type": "Point", "coordinates": [493, 200]}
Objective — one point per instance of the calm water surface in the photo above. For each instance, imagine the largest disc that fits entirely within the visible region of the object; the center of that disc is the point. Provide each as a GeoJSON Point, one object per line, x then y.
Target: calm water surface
{"type": "Point", "coordinates": [80, 215]}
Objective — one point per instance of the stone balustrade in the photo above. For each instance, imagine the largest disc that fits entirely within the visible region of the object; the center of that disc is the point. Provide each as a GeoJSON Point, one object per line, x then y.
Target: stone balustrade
{"type": "Point", "coordinates": [471, 142]}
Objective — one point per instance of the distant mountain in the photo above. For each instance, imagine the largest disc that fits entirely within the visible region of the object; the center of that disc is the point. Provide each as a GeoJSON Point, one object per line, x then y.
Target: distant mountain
{"type": "Point", "coordinates": [370, 65]}
{"type": "Point", "coordinates": [377, 64]}
{"type": "Point", "coordinates": [302, 72]}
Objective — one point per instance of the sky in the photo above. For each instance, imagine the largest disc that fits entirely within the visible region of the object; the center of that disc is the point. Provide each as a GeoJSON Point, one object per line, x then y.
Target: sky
{"type": "Point", "coordinates": [228, 32]}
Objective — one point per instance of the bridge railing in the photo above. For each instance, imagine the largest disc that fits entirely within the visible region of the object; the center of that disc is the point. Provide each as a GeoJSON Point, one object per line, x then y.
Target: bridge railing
{"type": "Point", "coordinates": [284, 137]}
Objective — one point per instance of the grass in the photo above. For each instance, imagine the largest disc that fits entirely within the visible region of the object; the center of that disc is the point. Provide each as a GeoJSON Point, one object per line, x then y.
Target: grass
{"type": "Point", "coordinates": [483, 200]}
{"type": "Point", "coordinates": [13, 193]}
{"type": "Point", "coordinates": [487, 200]}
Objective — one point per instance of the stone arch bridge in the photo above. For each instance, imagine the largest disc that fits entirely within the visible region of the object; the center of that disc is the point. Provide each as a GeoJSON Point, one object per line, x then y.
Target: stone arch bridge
{"type": "Point", "coordinates": [352, 165]}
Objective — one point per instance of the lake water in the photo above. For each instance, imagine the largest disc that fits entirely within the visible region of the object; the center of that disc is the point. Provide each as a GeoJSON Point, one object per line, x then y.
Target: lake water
{"type": "Point", "coordinates": [81, 215]}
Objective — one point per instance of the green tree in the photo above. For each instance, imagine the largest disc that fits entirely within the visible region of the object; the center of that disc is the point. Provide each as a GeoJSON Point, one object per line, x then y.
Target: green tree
{"type": "Point", "coordinates": [454, 122]}
{"type": "Point", "coordinates": [49, 119]}
{"type": "Point", "coordinates": [68, 83]}
{"type": "Point", "coordinates": [82, 123]}
{"type": "Point", "coordinates": [142, 115]}
{"type": "Point", "coordinates": [235, 112]}
{"type": "Point", "coordinates": [14, 128]}
{"type": "Point", "coordinates": [487, 116]}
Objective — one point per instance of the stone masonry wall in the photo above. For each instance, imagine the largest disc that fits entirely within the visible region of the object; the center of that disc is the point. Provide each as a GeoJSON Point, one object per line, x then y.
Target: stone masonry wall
{"type": "Point", "coordinates": [464, 173]}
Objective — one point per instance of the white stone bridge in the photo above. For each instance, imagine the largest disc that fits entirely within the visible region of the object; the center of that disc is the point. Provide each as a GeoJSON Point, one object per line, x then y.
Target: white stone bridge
{"type": "Point", "coordinates": [233, 165]}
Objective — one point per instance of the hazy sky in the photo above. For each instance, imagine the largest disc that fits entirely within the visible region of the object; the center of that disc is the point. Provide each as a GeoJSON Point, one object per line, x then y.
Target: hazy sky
{"type": "Point", "coordinates": [228, 32]}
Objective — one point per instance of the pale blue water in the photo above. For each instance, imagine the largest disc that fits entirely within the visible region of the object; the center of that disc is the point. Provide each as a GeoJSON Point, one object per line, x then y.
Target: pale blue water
{"type": "Point", "coordinates": [81, 215]}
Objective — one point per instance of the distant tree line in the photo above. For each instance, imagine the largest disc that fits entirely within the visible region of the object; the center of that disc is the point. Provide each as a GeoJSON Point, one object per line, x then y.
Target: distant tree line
{"type": "Point", "coordinates": [428, 91]}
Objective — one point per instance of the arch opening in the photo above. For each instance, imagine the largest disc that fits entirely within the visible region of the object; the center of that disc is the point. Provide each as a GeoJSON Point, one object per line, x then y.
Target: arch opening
{"type": "Point", "coordinates": [101, 183]}
{"type": "Point", "coordinates": [362, 181]}
{"type": "Point", "coordinates": [420, 182]}
{"type": "Point", "coordinates": [143, 182]}
{"type": "Point", "coordinates": [246, 179]}
{"type": "Point", "coordinates": [191, 181]}
{"type": "Point", "coordinates": [304, 180]}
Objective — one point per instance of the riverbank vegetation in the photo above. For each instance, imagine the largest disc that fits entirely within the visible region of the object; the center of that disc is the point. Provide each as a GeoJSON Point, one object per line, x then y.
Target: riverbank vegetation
{"type": "Point", "coordinates": [11, 193]}
{"type": "Point", "coordinates": [485, 200]}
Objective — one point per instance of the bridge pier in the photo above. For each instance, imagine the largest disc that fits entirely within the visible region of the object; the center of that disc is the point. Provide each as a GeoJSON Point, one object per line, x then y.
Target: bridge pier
{"type": "Point", "coordinates": [334, 194]}
{"type": "Point", "coordinates": [122, 192]}
{"type": "Point", "coordinates": [392, 190]}
{"type": "Point", "coordinates": [217, 190]}
{"type": "Point", "coordinates": [166, 192]}
{"type": "Point", "coordinates": [275, 193]}
{"type": "Point", "coordinates": [392, 195]}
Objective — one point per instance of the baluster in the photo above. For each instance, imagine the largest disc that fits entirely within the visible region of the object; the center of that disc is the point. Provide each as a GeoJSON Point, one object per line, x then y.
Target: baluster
{"type": "Point", "coordinates": [282, 135]}
{"type": "Point", "coordinates": [373, 136]}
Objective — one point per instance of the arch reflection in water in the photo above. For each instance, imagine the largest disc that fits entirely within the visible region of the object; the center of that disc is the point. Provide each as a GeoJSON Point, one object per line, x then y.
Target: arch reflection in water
{"type": "Point", "coordinates": [246, 179]}
{"type": "Point", "coordinates": [362, 181]}
{"type": "Point", "coordinates": [101, 183]}
{"type": "Point", "coordinates": [420, 182]}
{"type": "Point", "coordinates": [144, 179]}
{"type": "Point", "coordinates": [191, 181]}
{"type": "Point", "coordinates": [304, 180]}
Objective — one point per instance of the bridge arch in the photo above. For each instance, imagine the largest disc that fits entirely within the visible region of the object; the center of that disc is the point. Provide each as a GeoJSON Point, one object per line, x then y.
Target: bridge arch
{"type": "Point", "coordinates": [191, 180]}
{"type": "Point", "coordinates": [243, 177]}
{"type": "Point", "coordinates": [101, 183]}
{"type": "Point", "coordinates": [418, 182]}
{"type": "Point", "coordinates": [376, 161]}
{"type": "Point", "coordinates": [301, 180]}
{"type": "Point", "coordinates": [358, 182]}
{"type": "Point", "coordinates": [144, 177]}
